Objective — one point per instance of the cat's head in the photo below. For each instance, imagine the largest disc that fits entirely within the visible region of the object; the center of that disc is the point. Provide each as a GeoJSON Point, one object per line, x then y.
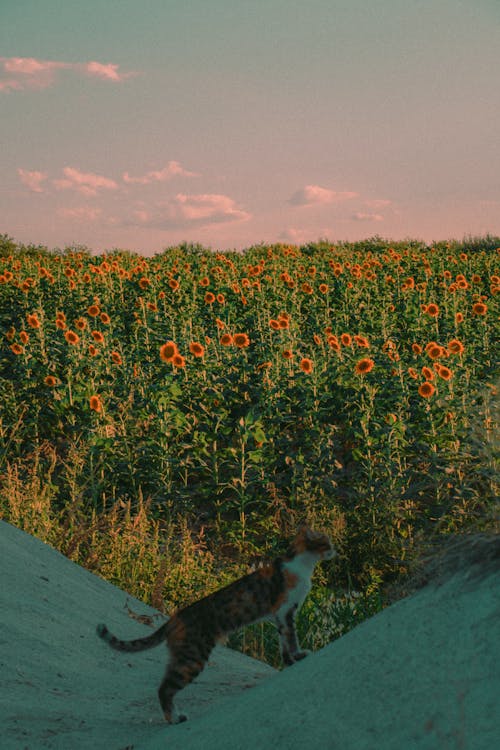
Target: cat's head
{"type": "Point", "coordinates": [316, 542]}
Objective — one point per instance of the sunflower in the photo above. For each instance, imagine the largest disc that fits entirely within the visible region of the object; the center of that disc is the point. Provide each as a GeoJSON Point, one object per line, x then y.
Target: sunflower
{"type": "Point", "coordinates": [432, 310]}
{"type": "Point", "coordinates": [364, 365]}
{"type": "Point", "coordinates": [168, 351]}
{"type": "Point", "coordinates": [287, 354]}
{"type": "Point", "coordinates": [196, 349]}
{"type": "Point", "coordinates": [456, 347]}
{"type": "Point", "coordinates": [115, 356]}
{"type": "Point", "coordinates": [479, 308]}
{"type": "Point", "coordinates": [93, 311]}
{"type": "Point", "coordinates": [178, 360]}
{"type": "Point", "coordinates": [98, 337]}
{"type": "Point", "coordinates": [72, 337]}
{"type": "Point", "coordinates": [346, 339]}
{"type": "Point", "coordinates": [306, 365]}
{"type": "Point", "coordinates": [226, 339]}
{"type": "Point", "coordinates": [426, 390]}
{"type": "Point", "coordinates": [241, 340]}
{"type": "Point", "coordinates": [445, 373]}
{"type": "Point", "coordinates": [362, 341]}
{"type": "Point", "coordinates": [95, 404]}
{"type": "Point", "coordinates": [50, 380]}
{"type": "Point", "coordinates": [209, 298]}
{"type": "Point", "coordinates": [33, 321]}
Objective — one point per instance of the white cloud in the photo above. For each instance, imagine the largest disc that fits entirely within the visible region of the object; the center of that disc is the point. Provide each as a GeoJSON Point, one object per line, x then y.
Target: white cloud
{"type": "Point", "coordinates": [313, 195]}
{"type": "Point", "coordinates": [172, 169]}
{"type": "Point", "coordinates": [86, 183]}
{"type": "Point", "coordinates": [32, 179]}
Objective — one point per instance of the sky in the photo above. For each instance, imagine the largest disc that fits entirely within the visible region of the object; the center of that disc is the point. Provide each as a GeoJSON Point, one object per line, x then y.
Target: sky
{"type": "Point", "coordinates": [139, 125]}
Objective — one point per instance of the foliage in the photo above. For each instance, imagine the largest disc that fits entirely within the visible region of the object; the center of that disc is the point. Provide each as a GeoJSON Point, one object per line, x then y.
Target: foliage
{"type": "Point", "coordinates": [224, 397]}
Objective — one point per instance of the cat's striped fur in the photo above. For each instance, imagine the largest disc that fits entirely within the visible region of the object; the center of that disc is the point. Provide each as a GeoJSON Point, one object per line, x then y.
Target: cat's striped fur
{"type": "Point", "coordinates": [274, 591]}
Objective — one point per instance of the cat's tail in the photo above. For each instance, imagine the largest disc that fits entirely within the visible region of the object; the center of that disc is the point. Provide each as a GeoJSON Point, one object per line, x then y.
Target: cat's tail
{"type": "Point", "coordinates": [138, 644]}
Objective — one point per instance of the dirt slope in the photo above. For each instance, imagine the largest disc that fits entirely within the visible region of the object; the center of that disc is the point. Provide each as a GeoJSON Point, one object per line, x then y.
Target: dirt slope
{"type": "Point", "coordinates": [423, 674]}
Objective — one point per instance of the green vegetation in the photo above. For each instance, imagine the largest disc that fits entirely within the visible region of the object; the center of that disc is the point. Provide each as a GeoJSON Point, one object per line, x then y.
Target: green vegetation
{"type": "Point", "coordinates": [164, 421]}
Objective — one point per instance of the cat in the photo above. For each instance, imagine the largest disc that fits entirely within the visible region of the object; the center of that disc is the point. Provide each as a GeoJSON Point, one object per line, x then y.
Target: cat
{"type": "Point", "coordinates": [275, 591]}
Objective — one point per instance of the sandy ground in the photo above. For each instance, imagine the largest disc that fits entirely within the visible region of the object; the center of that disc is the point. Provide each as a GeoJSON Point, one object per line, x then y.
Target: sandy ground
{"type": "Point", "coordinates": [423, 674]}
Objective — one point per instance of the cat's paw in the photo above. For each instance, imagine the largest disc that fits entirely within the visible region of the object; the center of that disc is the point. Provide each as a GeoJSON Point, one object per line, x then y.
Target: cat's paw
{"type": "Point", "coordinates": [301, 655]}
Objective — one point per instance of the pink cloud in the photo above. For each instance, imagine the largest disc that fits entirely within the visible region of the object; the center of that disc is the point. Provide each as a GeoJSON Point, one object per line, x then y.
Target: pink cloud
{"type": "Point", "coordinates": [359, 216]}
{"type": "Point", "coordinates": [86, 183]}
{"type": "Point", "coordinates": [173, 169]}
{"type": "Point", "coordinates": [19, 73]}
{"type": "Point", "coordinates": [192, 210]}
{"type": "Point", "coordinates": [84, 213]}
{"type": "Point", "coordinates": [378, 203]}
{"type": "Point", "coordinates": [108, 72]}
{"type": "Point", "coordinates": [313, 195]}
{"type": "Point", "coordinates": [32, 179]}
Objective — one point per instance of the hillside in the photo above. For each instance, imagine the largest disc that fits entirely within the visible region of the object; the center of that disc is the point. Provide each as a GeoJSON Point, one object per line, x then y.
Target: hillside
{"type": "Point", "coordinates": [424, 673]}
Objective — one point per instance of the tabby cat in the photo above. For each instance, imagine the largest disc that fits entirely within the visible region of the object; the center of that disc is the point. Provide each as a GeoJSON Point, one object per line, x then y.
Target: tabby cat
{"type": "Point", "coordinates": [276, 590]}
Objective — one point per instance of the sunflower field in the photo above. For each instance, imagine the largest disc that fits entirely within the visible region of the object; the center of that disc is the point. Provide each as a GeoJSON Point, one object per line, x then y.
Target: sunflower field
{"type": "Point", "coordinates": [172, 416]}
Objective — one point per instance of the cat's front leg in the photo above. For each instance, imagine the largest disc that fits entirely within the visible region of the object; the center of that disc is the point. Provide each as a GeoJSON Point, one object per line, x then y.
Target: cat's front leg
{"type": "Point", "coordinates": [290, 649]}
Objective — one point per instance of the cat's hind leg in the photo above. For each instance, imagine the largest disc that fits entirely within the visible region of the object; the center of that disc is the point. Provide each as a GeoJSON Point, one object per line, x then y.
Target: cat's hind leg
{"type": "Point", "coordinates": [181, 670]}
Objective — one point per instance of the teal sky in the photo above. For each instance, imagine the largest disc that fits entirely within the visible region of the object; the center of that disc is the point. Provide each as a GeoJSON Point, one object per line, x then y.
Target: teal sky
{"type": "Point", "coordinates": [141, 124]}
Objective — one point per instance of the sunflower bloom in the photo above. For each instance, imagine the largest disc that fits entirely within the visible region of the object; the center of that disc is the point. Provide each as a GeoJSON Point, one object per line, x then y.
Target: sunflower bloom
{"type": "Point", "coordinates": [50, 380]}
{"type": "Point", "coordinates": [479, 308]}
{"type": "Point", "coordinates": [432, 310]}
{"type": "Point", "coordinates": [436, 351]}
{"type": "Point", "coordinates": [426, 390]}
{"type": "Point", "coordinates": [33, 321]}
{"type": "Point", "coordinates": [287, 354]}
{"type": "Point", "coordinates": [115, 356]}
{"type": "Point", "coordinates": [209, 298]}
{"type": "Point", "coordinates": [364, 365]}
{"type": "Point", "coordinates": [427, 373]}
{"type": "Point", "coordinates": [17, 348]}
{"type": "Point", "coordinates": [416, 349]}
{"type": "Point", "coordinates": [362, 341]}
{"type": "Point", "coordinates": [445, 373]}
{"type": "Point", "coordinates": [241, 340]}
{"type": "Point", "coordinates": [334, 344]}
{"type": "Point", "coordinates": [455, 346]}
{"type": "Point", "coordinates": [226, 339]}
{"type": "Point", "coordinates": [168, 351]}
{"type": "Point", "coordinates": [95, 404]}
{"type": "Point", "coordinates": [24, 337]}
{"type": "Point", "coordinates": [306, 365]}
{"type": "Point", "coordinates": [346, 339]}
{"type": "Point", "coordinates": [196, 349]}
{"type": "Point", "coordinates": [98, 337]}
{"type": "Point", "coordinates": [93, 311]}
{"type": "Point", "coordinates": [274, 324]}
{"type": "Point", "coordinates": [178, 360]}
{"type": "Point", "coordinates": [105, 318]}
{"type": "Point", "coordinates": [72, 337]}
